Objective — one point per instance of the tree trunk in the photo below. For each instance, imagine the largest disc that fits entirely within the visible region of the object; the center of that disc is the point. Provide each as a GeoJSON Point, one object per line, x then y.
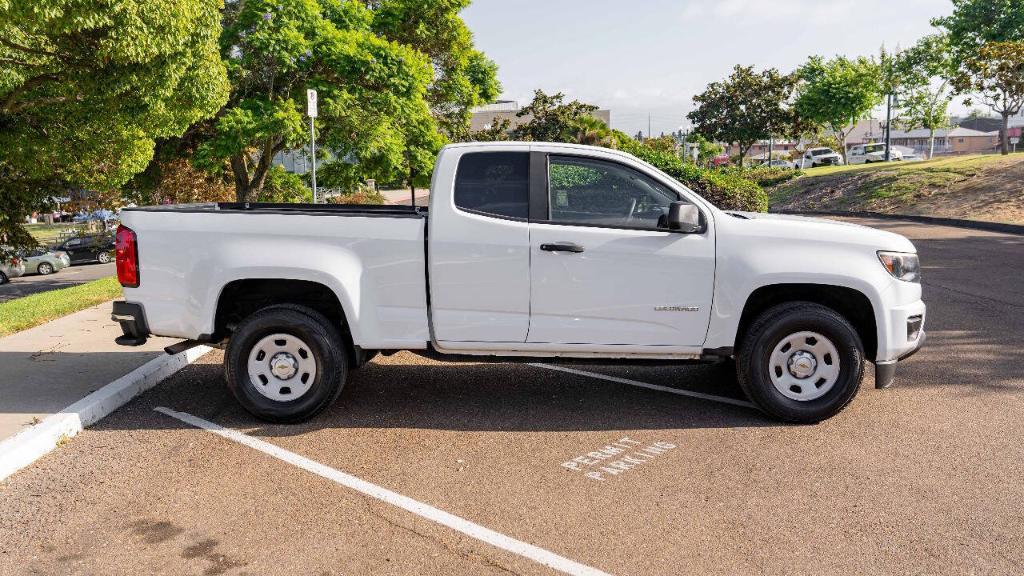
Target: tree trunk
{"type": "Point", "coordinates": [240, 170]}
{"type": "Point", "coordinates": [931, 143]}
{"type": "Point", "coordinates": [1004, 135]}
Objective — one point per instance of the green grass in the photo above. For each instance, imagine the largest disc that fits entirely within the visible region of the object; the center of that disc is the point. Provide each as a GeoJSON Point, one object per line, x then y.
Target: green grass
{"type": "Point", "coordinates": [35, 309]}
{"type": "Point", "coordinates": [886, 180]}
{"type": "Point", "coordinates": [954, 163]}
{"type": "Point", "coordinates": [49, 233]}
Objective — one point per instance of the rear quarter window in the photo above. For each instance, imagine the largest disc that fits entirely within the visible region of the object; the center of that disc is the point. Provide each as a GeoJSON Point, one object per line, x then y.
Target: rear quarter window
{"type": "Point", "coordinates": [494, 183]}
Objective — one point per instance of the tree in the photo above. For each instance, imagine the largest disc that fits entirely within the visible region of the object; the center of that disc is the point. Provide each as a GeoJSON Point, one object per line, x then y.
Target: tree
{"type": "Point", "coordinates": [550, 120]}
{"type": "Point", "coordinates": [745, 108]}
{"type": "Point", "coordinates": [372, 92]}
{"type": "Point", "coordinates": [996, 77]}
{"type": "Point", "coordinates": [838, 93]}
{"type": "Point", "coordinates": [497, 130]}
{"type": "Point", "coordinates": [975, 23]}
{"type": "Point", "coordinates": [925, 95]}
{"type": "Point", "coordinates": [85, 87]}
{"type": "Point", "coordinates": [463, 76]}
{"type": "Point", "coordinates": [592, 131]}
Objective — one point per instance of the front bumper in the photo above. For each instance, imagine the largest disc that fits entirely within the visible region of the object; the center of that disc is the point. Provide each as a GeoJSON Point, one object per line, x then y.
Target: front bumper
{"type": "Point", "coordinates": [885, 372]}
{"type": "Point", "coordinates": [132, 319]}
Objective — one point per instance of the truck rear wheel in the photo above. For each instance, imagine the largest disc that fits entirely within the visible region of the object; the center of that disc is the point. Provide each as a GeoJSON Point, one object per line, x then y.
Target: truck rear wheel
{"type": "Point", "coordinates": [801, 362]}
{"type": "Point", "coordinates": [285, 363]}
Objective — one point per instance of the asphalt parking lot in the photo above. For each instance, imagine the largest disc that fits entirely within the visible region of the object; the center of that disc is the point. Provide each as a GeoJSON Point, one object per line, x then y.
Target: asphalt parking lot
{"type": "Point", "coordinates": [72, 276]}
{"type": "Point", "coordinates": [436, 468]}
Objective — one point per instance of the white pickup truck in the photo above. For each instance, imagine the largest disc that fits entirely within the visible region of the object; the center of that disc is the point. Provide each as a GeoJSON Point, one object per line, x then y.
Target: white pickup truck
{"type": "Point", "coordinates": [528, 250]}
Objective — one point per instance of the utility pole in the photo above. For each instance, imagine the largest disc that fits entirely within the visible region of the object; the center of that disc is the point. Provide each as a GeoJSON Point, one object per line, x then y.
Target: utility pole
{"type": "Point", "coordinates": [888, 126]}
{"type": "Point", "coordinates": [311, 112]}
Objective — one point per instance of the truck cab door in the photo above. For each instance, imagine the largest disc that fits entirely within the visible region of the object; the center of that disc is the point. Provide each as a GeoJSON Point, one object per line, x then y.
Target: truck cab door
{"type": "Point", "coordinates": [479, 248]}
{"type": "Point", "coordinates": [604, 268]}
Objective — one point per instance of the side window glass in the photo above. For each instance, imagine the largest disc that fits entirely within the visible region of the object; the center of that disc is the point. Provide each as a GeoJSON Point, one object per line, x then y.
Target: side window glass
{"type": "Point", "coordinates": [599, 193]}
{"type": "Point", "coordinates": [496, 183]}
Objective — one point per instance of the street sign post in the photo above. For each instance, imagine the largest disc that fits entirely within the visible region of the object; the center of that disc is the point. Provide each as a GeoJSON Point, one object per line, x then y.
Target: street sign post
{"type": "Point", "coordinates": [311, 112]}
{"type": "Point", "coordinates": [1015, 140]}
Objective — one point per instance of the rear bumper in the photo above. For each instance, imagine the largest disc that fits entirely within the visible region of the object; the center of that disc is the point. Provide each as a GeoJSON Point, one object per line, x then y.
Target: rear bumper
{"type": "Point", "coordinates": [132, 319]}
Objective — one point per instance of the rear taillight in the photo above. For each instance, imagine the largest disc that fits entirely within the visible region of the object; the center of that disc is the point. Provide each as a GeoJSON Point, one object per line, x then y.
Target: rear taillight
{"type": "Point", "coordinates": [127, 256]}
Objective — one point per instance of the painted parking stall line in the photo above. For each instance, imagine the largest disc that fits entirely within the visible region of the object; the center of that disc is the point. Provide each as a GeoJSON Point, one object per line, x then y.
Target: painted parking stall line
{"type": "Point", "coordinates": [496, 539]}
{"type": "Point", "coordinates": [659, 388]}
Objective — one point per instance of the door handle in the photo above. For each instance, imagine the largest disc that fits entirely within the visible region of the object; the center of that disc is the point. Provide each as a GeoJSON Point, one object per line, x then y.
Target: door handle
{"type": "Point", "coordinates": [562, 247]}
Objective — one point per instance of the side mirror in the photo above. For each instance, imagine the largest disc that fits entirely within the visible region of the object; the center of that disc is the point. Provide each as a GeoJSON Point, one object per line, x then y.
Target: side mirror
{"type": "Point", "coordinates": [684, 217]}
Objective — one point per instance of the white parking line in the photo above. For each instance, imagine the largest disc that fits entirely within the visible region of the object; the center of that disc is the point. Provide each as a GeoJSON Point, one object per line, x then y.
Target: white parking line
{"type": "Point", "coordinates": [549, 559]}
{"type": "Point", "coordinates": [711, 397]}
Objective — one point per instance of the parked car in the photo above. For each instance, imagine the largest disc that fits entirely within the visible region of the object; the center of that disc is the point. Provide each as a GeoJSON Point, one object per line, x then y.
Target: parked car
{"type": "Point", "coordinates": [870, 153]}
{"type": "Point", "coordinates": [536, 250]}
{"type": "Point", "coordinates": [94, 248]}
{"type": "Point", "coordinates": [777, 164]}
{"type": "Point", "coordinates": [818, 157]}
{"type": "Point", "coordinates": [11, 267]}
{"type": "Point", "coordinates": [42, 261]}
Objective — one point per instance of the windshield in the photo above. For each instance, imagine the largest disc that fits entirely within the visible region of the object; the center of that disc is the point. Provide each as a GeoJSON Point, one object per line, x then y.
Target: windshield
{"type": "Point", "coordinates": [821, 151]}
{"type": "Point", "coordinates": [874, 148]}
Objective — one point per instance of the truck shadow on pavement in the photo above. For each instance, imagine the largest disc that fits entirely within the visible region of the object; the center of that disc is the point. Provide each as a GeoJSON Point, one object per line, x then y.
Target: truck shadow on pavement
{"type": "Point", "coordinates": [465, 397]}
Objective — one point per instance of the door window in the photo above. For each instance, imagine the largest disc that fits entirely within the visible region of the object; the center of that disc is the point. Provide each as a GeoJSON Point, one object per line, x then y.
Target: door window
{"type": "Point", "coordinates": [598, 193]}
{"type": "Point", "coordinates": [494, 183]}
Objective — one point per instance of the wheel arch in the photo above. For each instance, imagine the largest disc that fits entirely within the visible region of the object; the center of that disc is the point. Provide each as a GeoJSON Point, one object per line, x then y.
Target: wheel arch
{"type": "Point", "coordinates": [851, 303]}
{"type": "Point", "coordinates": [240, 298]}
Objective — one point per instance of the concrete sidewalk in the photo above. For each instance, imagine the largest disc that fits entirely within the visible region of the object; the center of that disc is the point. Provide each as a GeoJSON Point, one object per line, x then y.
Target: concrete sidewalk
{"type": "Point", "coordinates": [50, 367]}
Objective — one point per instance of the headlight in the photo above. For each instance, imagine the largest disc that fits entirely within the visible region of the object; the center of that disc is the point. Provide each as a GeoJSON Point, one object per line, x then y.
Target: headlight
{"type": "Point", "coordinates": [901, 265]}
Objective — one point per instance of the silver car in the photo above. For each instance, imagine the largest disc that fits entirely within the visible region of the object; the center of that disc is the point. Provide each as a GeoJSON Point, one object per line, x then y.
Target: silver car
{"type": "Point", "coordinates": [11, 267]}
{"type": "Point", "coordinates": [43, 261]}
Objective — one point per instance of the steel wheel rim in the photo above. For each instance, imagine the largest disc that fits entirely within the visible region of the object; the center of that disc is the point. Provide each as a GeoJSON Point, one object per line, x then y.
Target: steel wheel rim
{"type": "Point", "coordinates": [45, 268]}
{"type": "Point", "coordinates": [281, 367]}
{"type": "Point", "coordinates": [804, 366]}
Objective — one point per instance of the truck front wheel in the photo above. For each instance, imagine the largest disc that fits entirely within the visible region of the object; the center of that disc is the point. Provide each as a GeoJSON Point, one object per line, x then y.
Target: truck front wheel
{"type": "Point", "coordinates": [801, 362]}
{"type": "Point", "coordinates": [285, 363]}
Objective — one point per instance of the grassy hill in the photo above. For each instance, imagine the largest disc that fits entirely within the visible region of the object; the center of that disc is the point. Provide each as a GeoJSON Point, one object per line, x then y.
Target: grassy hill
{"type": "Point", "coordinates": [977, 187]}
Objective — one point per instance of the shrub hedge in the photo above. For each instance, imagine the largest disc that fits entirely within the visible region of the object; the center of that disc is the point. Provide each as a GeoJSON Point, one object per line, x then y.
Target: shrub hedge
{"type": "Point", "coordinates": [727, 190]}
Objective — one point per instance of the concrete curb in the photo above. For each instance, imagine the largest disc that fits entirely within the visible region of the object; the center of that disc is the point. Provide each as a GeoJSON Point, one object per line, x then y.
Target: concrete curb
{"type": "Point", "coordinates": [29, 445]}
{"type": "Point", "coordinates": [972, 224]}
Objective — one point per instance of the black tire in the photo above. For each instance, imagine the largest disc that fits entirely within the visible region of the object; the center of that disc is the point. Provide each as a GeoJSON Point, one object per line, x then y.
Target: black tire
{"type": "Point", "coordinates": [4, 279]}
{"type": "Point", "coordinates": [769, 330]}
{"type": "Point", "coordinates": [104, 258]}
{"type": "Point", "coordinates": [324, 342]}
{"type": "Point", "coordinates": [44, 268]}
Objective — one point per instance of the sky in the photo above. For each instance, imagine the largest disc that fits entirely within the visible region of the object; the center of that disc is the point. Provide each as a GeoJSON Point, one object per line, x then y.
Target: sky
{"type": "Point", "coordinates": [645, 58]}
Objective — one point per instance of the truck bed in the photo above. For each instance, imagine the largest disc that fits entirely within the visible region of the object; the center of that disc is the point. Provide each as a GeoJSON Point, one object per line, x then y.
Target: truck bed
{"type": "Point", "coordinates": [386, 210]}
{"type": "Point", "coordinates": [372, 257]}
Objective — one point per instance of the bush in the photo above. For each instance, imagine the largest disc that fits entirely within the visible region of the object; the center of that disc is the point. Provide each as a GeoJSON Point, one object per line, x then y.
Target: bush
{"type": "Point", "coordinates": [361, 196]}
{"type": "Point", "coordinates": [283, 186]}
{"type": "Point", "coordinates": [725, 189]}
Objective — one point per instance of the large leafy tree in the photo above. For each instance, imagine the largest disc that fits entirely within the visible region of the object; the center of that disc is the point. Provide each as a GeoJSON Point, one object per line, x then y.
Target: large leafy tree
{"type": "Point", "coordinates": [974, 23]}
{"type": "Point", "coordinates": [463, 77]}
{"type": "Point", "coordinates": [550, 119]}
{"type": "Point", "coordinates": [85, 87]}
{"type": "Point", "coordinates": [838, 93]}
{"type": "Point", "coordinates": [996, 77]}
{"type": "Point", "coordinates": [746, 107]}
{"type": "Point", "coordinates": [373, 111]}
{"type": "Point", "coordinates": [926, 91]}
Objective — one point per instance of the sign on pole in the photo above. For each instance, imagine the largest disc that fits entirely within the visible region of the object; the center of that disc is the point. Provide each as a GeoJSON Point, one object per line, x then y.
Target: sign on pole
{"type": "Point", "coordinates": [311, 112]}
{"type": "Point", "coordinates": [311, 103]}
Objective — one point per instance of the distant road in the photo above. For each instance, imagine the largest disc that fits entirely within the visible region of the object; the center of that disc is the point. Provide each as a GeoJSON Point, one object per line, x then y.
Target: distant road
{"type": "Point", "coordinates": [73, 276]}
